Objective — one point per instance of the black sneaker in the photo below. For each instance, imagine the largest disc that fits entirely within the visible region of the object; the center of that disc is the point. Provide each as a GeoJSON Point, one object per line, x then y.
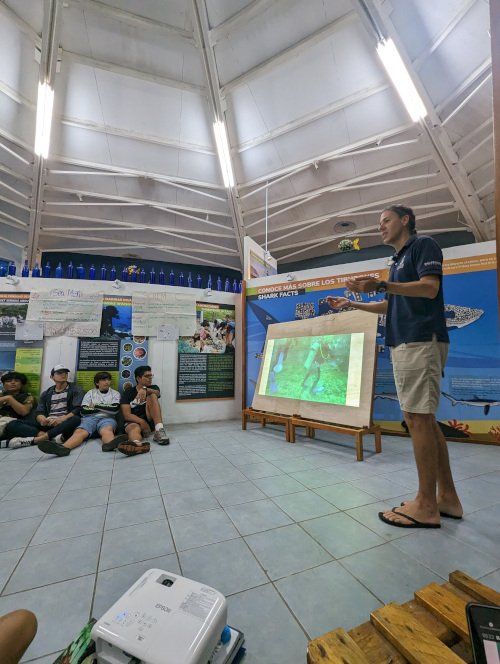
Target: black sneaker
{"type": "Point", "coordinates": [133, 447]}
{"type": "Point", "coordinates": [113, 444]}
{"type": "Point", "coordinates": [51, 447]}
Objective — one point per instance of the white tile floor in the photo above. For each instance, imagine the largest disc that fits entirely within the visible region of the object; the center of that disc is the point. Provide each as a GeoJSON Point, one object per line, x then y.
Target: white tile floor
{"type": "Point", "coordinates": [289, 533]}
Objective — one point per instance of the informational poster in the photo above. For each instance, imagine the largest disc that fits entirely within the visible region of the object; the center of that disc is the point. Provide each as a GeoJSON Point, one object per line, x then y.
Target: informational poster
{"type": "Point", "coordinates": [13, 309]}
{"type": "Point", "coordinates": [205, 368]}
{"type": "Point", "coordinates": [29, 355]}
{"type": "Point", "coordinates": [151, 311]}
{"type": "Point", "coordinates": [470, 390]}
{"type": "Point", "coordinates": [115, 350]}
{"type": "Point", "coordinates": [66, 311]}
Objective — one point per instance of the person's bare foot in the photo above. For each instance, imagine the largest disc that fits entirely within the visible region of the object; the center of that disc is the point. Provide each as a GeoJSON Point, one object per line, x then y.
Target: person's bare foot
{"type": "Point", "coordinates": [447, 508]}
{"type": "Point", "coordinates": [413, 510]}
{"type": "Point", "coordinates": [450, 508]}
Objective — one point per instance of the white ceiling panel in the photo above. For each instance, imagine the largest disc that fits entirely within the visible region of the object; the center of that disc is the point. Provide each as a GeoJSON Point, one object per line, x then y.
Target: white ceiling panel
{"type": "Point", "coordinates": [310, 112]}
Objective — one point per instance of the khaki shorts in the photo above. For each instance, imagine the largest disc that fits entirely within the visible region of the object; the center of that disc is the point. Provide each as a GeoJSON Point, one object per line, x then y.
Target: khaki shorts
{"type": "Point", "coordinates": [418, 368]}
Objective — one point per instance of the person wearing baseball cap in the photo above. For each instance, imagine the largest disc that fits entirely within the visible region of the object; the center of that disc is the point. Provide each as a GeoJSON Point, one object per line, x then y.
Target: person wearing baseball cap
{"type": "Point", "coordinates": [57, 414]}
{"type": "Point", "coordinates": [59, 368]}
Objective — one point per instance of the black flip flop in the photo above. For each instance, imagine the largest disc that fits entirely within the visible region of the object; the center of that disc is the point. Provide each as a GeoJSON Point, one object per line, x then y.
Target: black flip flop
{"type": "Point", "coordinates": [414, 523]}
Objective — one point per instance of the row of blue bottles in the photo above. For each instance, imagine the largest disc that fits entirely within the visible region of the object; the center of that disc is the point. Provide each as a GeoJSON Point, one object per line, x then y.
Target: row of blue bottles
{"type": "Point", "coordinates": [134, 276]}
{"type": "Point", "coordinates": [9, 270]}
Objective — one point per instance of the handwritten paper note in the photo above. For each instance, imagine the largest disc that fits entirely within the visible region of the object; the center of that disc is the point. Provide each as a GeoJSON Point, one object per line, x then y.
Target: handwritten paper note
{"type": "Point", "coordinates": [66, 311]}
{"type": "Point", "coordinates": [29, 331]}
{"type": "Point", "coordinates": [151, 311]}
{"type": "Point", "coordinates": [168, 332]}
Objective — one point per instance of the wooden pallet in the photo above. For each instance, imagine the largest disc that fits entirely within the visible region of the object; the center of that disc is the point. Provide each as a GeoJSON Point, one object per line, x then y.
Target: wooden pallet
{"type": "Point", "coordinates": [265, 418]}
{"type": "Point", "coordinates": [358, 432]}
{"type": "Point", "coordinates": [431, 629]}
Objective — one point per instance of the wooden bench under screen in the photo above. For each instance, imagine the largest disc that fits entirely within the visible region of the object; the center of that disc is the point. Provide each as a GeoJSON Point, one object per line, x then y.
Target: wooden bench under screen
{"type": "Point", "coordinates": [358, 432]}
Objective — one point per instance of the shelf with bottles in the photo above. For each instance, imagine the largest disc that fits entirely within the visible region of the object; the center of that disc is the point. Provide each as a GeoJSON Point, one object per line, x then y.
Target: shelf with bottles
{"type": "Point", "coordinates": [129, 274]}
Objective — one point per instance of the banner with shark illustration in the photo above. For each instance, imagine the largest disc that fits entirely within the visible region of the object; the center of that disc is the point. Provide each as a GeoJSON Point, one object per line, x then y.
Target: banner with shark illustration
{"type": "Point", "coordinates": [470, 401]}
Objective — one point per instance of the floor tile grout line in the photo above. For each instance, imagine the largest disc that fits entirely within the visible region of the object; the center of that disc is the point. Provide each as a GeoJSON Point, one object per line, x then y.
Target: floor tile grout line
{"type": "Point", "coordinates": [31, 539]}
{"type": "Point", "coordinates": [376, 499]}
{"type": "Point", "coordinates": [174, 543]}
{"type": "Point", "coordinates": [96, 574]}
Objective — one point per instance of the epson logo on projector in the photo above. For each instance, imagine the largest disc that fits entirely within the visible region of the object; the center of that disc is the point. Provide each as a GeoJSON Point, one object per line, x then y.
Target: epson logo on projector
{"type": "Point", "coordinates": [162, 607]}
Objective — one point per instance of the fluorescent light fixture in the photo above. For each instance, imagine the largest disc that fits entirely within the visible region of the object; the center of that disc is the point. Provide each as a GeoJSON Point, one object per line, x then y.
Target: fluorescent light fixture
{"type": "Point", "coordinates": [43, 119]}
{"type": "Point", "coordinates": [401, 79]}
{"type": "Point", "coordinates": [223, 152]}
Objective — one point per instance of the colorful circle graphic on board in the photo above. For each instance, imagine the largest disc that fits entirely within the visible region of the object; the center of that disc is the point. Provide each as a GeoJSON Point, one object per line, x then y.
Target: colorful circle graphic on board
{"type": "Point", "coordinates": [127, 347]}
{"type": "Point", "coordinates": [139, 340]}
{"type": "Point", "coordinates": [140, 353]}
{"type": "Point", "coordinates": [127, 385]}
{"type": "Point", "coordinates": [126, 361]}
{"type": "Point", "coordinates": [125, 373]}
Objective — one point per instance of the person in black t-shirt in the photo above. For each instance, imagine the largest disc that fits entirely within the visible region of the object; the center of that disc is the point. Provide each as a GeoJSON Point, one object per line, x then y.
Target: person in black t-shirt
{"type": "Point", "coordinates": [416, 332]}
{"type": "Point", "coordinates": [15, 403]}
{"type": "Point", "coordinates": [142, 413]}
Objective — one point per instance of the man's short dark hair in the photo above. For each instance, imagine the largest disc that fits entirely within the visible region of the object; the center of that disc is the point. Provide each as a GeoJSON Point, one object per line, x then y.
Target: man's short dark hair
{"type": "Point", "coordinates": [14, 375]}
{"type": "Point", "coordinates": [102, 375]}
{"type": "Point", "coordinates": [402, 211]}
{"type": "Point", "coordinates": [140, 371]}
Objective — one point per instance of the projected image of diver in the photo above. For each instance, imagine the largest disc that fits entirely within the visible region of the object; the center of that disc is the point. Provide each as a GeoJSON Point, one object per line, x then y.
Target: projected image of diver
{"type": "Point", "coordinates": [323, 369]}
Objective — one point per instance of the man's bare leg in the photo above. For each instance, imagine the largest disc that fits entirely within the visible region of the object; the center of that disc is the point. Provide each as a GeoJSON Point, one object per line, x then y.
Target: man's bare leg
{"type": "Point", "coordinates": [135, 444]}
{"type": "Point", "coordinates": [76, 439]}
{"type": "Point", "coordinates": [447, 498]}
{"type": "Point", "coordinates": [107, 434]}
{"type": "Point", "coordinates": [153, 410]}
{"type": "Point", "coordinates": [426, 450]}
{"type": "Point", "coordinates": [17, 631]}
{"type": "Point", "coordinates": [153, 413]}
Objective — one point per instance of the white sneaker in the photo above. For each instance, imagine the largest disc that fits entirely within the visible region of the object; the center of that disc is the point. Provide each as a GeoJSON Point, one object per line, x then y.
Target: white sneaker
{"type": "Point", "coordinates": [161, 437]}
{"type": "Point", "coordinates": [14, 443]}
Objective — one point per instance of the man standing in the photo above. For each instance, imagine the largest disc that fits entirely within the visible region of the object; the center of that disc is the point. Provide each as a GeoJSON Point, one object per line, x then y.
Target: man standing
{"type": "Point", "coordinates": [416, 332]}
{"type": "Point", "coordinates": [57, 414]}
{"type": "Point", "coordinates": [142, 413]}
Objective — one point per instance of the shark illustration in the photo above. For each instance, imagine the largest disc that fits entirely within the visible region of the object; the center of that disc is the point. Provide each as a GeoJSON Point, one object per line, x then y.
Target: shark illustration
{"type": "Point", "coordinates": [485, 404]}
{"type": "Point", "coordinates": [386, 395]}
{"type": "Point", "coordinates": [455, 315]}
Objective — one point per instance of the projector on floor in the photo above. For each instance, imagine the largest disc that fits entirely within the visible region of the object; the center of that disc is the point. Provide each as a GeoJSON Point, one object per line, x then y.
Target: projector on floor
{"type": "Point", "coordinates": [166, 619]}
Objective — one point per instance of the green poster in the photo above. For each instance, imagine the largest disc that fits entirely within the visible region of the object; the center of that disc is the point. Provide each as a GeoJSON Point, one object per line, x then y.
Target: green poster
{"type": "Point", "coordinates": [29, 362]}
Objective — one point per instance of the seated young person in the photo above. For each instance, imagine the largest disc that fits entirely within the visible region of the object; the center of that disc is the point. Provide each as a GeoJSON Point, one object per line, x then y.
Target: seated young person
{"type": "Point", "coordinates": [142, 413]}
{"type": "Point", "coordinates": [99, 409]}
{"type": "Point", "coordinates": [15, 402]}
{"type": "Point", "coordinates": [57, 414]}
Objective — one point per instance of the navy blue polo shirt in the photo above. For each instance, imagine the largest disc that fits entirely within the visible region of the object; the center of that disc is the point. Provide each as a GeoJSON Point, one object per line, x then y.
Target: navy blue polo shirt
{"type": "Point", "coordinates": [416, 318]}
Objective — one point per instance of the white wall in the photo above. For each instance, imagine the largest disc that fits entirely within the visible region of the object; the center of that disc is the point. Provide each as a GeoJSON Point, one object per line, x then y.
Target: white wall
{"type": "Point", "coordinates": [162, 355]}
